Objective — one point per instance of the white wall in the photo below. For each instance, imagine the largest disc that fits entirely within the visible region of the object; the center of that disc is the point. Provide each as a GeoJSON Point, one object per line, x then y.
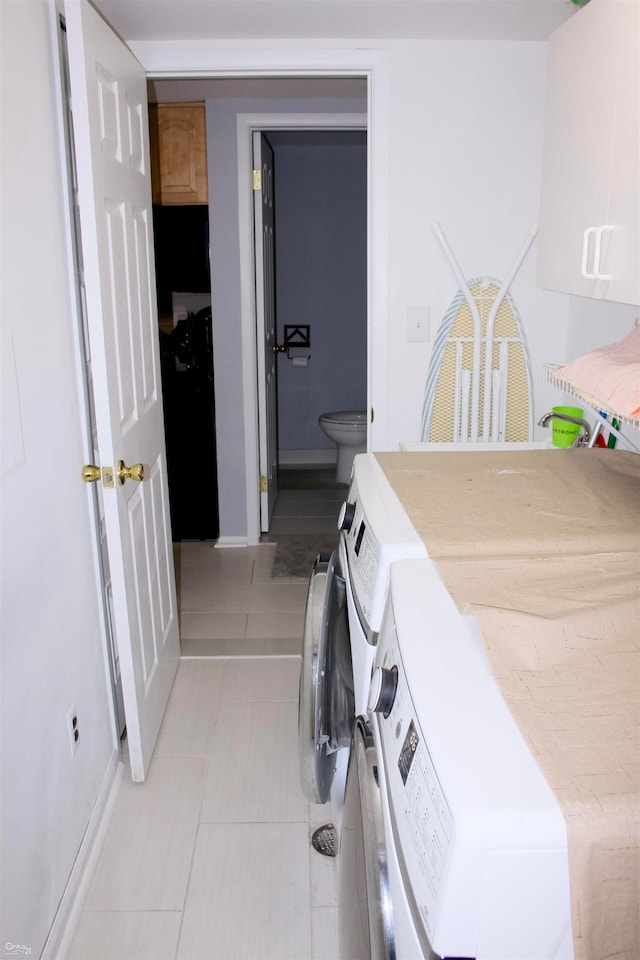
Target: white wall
{"type": "Point", "coordinates": [466, 145]}
{"type": "Point", "coordinates": [51, 641]}
{"type": "Point", "coordinates": [594, 323]}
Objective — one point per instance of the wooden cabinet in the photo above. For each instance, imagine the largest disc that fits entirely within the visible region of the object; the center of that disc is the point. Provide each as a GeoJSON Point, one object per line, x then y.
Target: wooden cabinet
{"type": "Point", "coordinates": [589, 240]}
{"type": "Point", "coordinates": [178, 153]}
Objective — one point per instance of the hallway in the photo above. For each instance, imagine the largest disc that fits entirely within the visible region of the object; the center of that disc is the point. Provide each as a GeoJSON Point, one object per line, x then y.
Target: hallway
{"type": "Point", "coordinates": [210, 857]}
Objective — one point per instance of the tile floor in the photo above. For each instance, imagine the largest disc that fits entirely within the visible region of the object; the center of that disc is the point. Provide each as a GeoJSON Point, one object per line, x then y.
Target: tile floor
{"type": "Point", "coordinates": [210, 857]}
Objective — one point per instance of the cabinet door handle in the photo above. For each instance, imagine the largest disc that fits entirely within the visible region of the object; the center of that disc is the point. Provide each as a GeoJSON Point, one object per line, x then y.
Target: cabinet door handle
{"type": "Point", "coordinates": [598, 253]}
{"type": "Point", "coordinates": [595, 273]}
{"type": "Point", "coordinates": [586, 237]}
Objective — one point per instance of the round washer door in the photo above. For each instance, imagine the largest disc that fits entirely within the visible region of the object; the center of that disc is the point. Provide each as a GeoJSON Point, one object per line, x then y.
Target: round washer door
{"type": "Point", "coordinates": [316, 761]}
{"type": "Point", "coordinates": [326, 704]}
{"type": "Point", "coordinates": [365, 915]}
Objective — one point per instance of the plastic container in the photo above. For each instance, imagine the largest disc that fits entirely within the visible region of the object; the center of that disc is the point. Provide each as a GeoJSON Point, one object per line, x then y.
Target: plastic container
{"type": "Point", "coordinates": [563, 433]}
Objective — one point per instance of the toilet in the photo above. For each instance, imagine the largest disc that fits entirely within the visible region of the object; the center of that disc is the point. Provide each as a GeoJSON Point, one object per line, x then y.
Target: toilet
{"type": "Point", "coordinates": [348, 430]}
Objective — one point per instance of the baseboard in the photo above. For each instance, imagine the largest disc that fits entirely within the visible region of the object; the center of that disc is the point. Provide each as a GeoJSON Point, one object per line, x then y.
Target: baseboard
{"type": "Point", "coordinates": [224, 542]}
{"type": "Point", "coordinates": [303, 458]}
{"type": "Point", "coordinates": [67, 916]}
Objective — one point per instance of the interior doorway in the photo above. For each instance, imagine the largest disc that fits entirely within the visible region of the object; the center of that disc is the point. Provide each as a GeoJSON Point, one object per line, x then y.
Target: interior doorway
{"type": "Point", "coordinates": [234, 109]}
{"type": "Point", "coordinates": [310, 232]}
{"type": "Point", "coordinates": [321, 284]}
{"type": "Point", "coordinates": [177, 136]}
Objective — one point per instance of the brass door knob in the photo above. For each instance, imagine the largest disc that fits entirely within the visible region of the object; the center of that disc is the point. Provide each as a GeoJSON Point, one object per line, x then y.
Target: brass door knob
{"type": "Point", "coordinates": [134, 472]}
{"type": "Point", "coordinates": [91, 473]}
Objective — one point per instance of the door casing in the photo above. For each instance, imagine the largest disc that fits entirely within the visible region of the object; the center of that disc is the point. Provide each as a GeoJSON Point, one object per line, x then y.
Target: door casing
{"type": "Point", "coordinates": [266, 323]}
{"type": "Point", "coordinates": [247, 125]}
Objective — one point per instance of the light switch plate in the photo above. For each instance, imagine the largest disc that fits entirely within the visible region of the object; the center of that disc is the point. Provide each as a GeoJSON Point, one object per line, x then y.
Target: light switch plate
{"type": "Point", "coordinates": [418, 324]}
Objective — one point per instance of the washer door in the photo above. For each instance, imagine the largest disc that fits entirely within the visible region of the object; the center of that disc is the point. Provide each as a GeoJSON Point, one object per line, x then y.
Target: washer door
{"type": "Point", "coordinates": [325, 705]}
{"type": "Point", "coordinates": [365, 914]}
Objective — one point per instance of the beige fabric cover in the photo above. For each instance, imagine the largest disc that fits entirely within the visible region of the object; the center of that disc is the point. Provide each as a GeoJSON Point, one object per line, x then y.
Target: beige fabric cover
{"type": "Point", "coordinates": [543, 547]}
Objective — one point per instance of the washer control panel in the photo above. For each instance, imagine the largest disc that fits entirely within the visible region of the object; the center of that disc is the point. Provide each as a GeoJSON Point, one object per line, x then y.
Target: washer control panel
{"type": "Point", "coordinates": [363, 553]}
{"type": "Point", "coordinates": [421, 817]}
{"type": "Point", "coordinates": [382, 691]}
{"type": "Point", "coordinates": [346, 516]}
{"type": "Point", "coordinates": [376, 531]}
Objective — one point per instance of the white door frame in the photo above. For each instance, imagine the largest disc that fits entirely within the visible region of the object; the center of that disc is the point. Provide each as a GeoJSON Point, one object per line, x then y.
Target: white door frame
{"type": "Point", "coordinates": [266, 324]}
{"type": "Point", "coordinates": [162, 59]}
{"type": "Point", "coordinates": [247, 124]}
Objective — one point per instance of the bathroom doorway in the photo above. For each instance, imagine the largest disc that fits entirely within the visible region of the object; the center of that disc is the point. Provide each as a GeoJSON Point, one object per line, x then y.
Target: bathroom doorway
{"type": "Point", "coordinates": [320, 283]}
{"type": "Point", "coordinates": [318, 292]}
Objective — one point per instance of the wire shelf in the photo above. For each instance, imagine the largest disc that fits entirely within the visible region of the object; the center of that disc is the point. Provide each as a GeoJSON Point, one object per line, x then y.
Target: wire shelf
{"type": "Point", "coordinates": [549, 377]}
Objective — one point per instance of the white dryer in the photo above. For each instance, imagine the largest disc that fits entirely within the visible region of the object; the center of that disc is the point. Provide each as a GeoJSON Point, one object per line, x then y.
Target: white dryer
{"type": "Point", "coordinates": [374, 532]}
{"type": "Point", "coordinates": [453, 843]}
{"type": "Point", "coordinates": [345, 603]}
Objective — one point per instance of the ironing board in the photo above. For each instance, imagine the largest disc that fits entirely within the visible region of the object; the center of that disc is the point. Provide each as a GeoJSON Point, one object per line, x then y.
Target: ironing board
{"type": "Point", "coordinates": [447, 412]}
{"type": "Point", "coordinates": [479, 379]}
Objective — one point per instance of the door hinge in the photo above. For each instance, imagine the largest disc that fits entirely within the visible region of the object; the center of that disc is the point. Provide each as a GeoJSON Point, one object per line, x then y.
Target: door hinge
{"type": "Point", "coordinates": [263, 483]}
{"type": "Point", "coordinates": [257, 180]}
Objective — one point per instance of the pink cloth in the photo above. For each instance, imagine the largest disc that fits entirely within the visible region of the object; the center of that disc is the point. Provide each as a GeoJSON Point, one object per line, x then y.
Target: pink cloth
{"type": "Point", "coordinates": [609, 376]}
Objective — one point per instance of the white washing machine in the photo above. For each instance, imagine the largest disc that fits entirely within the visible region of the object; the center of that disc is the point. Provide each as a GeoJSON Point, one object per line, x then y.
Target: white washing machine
{"type": "Point", "coordinates": [453, 844]}
{"type": "Point", "coordinates": [345, 603]}
{"type": "Point", "coordinates": [375, 531]}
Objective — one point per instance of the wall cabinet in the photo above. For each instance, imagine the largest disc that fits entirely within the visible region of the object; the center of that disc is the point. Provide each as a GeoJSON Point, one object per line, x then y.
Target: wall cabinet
{"type": "Point", "coordinates": [178, 153]}
{"type": "Point", "coordinates": [589, 240]}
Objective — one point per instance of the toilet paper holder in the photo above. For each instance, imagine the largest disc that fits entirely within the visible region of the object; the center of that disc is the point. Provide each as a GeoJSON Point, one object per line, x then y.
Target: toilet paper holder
{"type": "Point", "coordinates": [297, 338]}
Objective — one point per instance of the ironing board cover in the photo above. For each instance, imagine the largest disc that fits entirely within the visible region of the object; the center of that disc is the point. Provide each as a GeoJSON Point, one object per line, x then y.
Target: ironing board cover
{"type": "Point", "coordinates": [452, 361]}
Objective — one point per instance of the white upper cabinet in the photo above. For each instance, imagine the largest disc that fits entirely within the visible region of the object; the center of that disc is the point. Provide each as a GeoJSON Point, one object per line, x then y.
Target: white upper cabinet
{"type": "Point", "coordinates": [589, 240]}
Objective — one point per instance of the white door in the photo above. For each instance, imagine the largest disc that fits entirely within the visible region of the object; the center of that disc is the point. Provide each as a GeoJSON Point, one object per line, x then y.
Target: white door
{"type": "Point", "coordinates": [110, 127]}
{"type": "Point", "coordinates": [266, 326]}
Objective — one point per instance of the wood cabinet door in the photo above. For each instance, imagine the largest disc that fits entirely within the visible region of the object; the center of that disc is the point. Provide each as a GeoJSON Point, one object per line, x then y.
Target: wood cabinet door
{"type": "Point", "coordinates": [178, 153]}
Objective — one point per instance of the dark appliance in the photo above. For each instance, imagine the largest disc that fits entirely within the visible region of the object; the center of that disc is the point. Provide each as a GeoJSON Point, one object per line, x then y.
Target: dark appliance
{"type": "Point", "coordinates": [181, 241]}
{"type": "Point", "coordinates": [189, 419]}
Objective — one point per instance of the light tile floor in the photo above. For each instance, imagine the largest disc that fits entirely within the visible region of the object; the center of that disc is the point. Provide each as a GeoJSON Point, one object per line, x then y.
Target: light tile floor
{"type": "Point", "coordinates": [210, 857]}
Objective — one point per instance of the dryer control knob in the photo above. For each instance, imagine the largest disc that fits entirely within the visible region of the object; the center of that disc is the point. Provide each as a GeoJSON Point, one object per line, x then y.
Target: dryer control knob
{"type": "Point", "coordinates": [382, 691]}
{"type": "Point", "coordinates": [346, 515]}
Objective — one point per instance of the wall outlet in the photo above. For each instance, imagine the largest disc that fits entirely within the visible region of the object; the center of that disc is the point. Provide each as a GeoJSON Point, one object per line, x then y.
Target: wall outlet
{"type": "Point", "coordinates": [418, 324]}
{"type": "Point", "coordinates": [73, 730]}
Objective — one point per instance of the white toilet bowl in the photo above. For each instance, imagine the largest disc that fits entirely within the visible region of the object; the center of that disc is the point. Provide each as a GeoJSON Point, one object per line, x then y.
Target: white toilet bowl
{"type": "Point", "coordinates": [348, 430]}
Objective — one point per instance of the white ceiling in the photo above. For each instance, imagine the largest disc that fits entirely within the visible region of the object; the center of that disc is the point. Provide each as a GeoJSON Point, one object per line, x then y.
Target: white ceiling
{"type": "Point", "coordinates": [324, 19]}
